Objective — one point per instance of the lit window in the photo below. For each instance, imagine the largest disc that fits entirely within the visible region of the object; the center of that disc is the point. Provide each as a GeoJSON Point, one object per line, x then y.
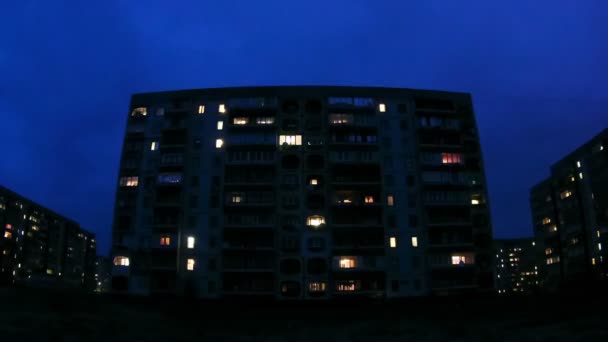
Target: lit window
{"type": "Point", "coordinates": [601, 148]}
{"type": "Point", "coordinates": [598, 233]}
{"type": "Point", "coordinates": [220, 125]}
{"type": "Point", "coordinates": [414, 241]}
{"type": "Point", "coordinates": [139, 111]}
{"type": "Point", "coordinates": [264, 121]}
{"type": "Point", "coordinates": [382, 108]}
{"type": "Point", "coordinates": [165, 241]}
{"type": "Point", "coordinates": [190, 265]}
{"type": "Point", "coordinates": [190, 242]}
{"type": "Point", "coordinates": [369, 199]}
{"type": "Point", "coordinates": [346, 285]}
{"type": "Point", "coordinates": [290, 140]}
{"type": "Point", "coordinates": [201, 109]}
{"type": "Point", "coordinates": [8, 235]}
{"type": "Point", "coordinates": [222, 108]}
{"type": "Point", "coordinates": [236, 198]}
{"type": "Point", "coordinates": [546, 220]}
{"type": "Point", "coordinates": [578, 164]}
{"type": "Point", "coordinates": [599, 246]}
{"type": "Point", "coordinates": [240, 121]}
{"type": "Point", "coordinates": [121, 261]}
{"type": "Point", "coordinates": [316, 287]}
{"type": "Point", "coordinates": [347, 262]}
{"type": "Point", "coordinates": [393, 242]}
{"type": "Point", "coordinates": [580, 175]}
{"type": "Point", "coordinates": [533, 243]}
{"type": "Point", "coordinates": [315, 221]}
{"type": "Point", "coordinates": [390, 200]}
{"type": "Point", "coordinates": [49, 271]}
{"type": "Point", "coordinates": [474, 201]}
{"type": "Point", "coordinates": [592, 261]}
{"type": "Point", "coordinates": [572, 179]}
{"type": "Point", "coordinates": [461, 260]}
{"type": "Point", "coordinates": [219, 143]}
{"type": "Point", "coordinates": [314, 181]}
{"type": "Point", "coordinates": [154, 146]}
{"type": "Point", "coordinates": [451, 158]}
{"type": "Point", "coordinates": [548, 251]}
{"type": "Point", "coordinates": [9, 226]}
{"type": "Point", "coordinates": [553, 228]}
{"type": "Point", "coordinates": [128, 181]}
{"type": "Point", "coordinates": [565, 194]}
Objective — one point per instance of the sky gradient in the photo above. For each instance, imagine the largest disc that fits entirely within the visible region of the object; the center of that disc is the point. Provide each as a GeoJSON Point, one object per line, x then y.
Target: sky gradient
{"type": "Point", "coordinates": [537, 71]}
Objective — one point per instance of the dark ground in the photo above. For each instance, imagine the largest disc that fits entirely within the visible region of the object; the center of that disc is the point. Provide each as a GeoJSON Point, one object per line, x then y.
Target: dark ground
{"type": "Point", "coordinates": [42, 315]}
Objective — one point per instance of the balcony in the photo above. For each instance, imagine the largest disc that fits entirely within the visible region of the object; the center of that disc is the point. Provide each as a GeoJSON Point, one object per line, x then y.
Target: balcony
{"type": "Point", "coordinates": [247, 264]}
{"type": "Point", "coordinates": [354, 157]}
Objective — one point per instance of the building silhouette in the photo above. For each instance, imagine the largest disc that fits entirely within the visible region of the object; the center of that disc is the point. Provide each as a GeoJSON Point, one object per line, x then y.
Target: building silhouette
{"type": "Point", "coordinates": [301, 192]}
{"type": "Point", "coordinates": [516, 266]}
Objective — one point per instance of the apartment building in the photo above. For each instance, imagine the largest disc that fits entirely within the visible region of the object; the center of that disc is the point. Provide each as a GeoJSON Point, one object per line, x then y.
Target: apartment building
{"type": "Point", "coordinates": [42, 248]}
{"type": "Point", "coordinates": [301, 192]}
{"type": "Point", "coordinates": [516, 266]}
{"type": "Point", "coordinates": [570, 217]}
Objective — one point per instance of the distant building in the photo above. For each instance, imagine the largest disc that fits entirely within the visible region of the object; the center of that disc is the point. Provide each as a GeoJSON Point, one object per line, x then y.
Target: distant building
{"type": "Point", "coordinates": [39, 247]}
{"type": "Point", "coordinates": [570, 216]}
{"type": "Point", "coordinates": [516, 265]}
{"type": "Point", "coordinates": [301, 193]}
{"type": "Point", "coordinates": [103, 276]}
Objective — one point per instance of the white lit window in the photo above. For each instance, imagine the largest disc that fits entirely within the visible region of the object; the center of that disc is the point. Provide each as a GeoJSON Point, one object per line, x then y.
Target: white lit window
{"type": "Point", "coordinates": [165, 241]}
{"type": "Point", "coordinates": [201, 109]}
{"type": "Point", "coordinates": [129, 181]}
{"type": "Point", "coordinates": [599, 246]}
{"type": "Point", "coordinates": [578, 164]}
{"type": "Point", "coordinates": [220, 125]}
{"type": "Point", "coordinates": [580, 175]}
{"type": "Point", "coordinates": [290, 140]}
{"type": "Point", "coordinates": [190, 242]}
{"type": "Point", "coordinates": [219, 143]}
{"type": "Point", "coordinates": [222, 108]}
{"type": "Point", "coordinates": [474, 201]}
{"type": "Point", "coordinates": [414, 241]}
{"type": "Point", "coordinates": [264, 121]}
{"type": "Point", "coordinates": [390, 200]}
{"type": "Point", "coordinates": [315, 221]}
{"type": "Point", "coordinates": [392, 242]}
{"type": "Point", "coordinates": [347, 262]}
{"type": "Point", "coordinates": [369, 199]}
{"type": "Point", "coordinates": [236, 198]}
{"type": "Point", "coordinates": [121, 261]}
{"type": "Point", "coordinates": [190, 265]}
{"type": "Point", "coordinates": [533, 243]}
{"type": "Point", "coordinates": [154, 146]}
{"type": "Point", "coordinates": [240, 121]}
{"type": "Point", "coordinates": [314, 181]}
{"type": "Point", "coordinates": [382, 108]}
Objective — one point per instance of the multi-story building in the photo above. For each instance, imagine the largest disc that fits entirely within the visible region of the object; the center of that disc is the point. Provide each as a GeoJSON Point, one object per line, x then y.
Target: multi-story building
{"type": "Point", "coordinates": [40, 247]}
{"type": "Point", "coordinates": [516, 265]}
{"type": "Point", "coordinates": [570, 216]}
{"type": "Point", "coordinates": [103, 275]}
{"type": "Point", "coordinates": [301, 192]}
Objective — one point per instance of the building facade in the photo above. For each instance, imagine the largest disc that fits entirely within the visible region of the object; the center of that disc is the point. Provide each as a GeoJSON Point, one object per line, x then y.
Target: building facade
{"type": "Point", "coordinates": [42, 248]}
{"type": "Point", "coordinates": [516, 266]}
{"type": "Point", "coordinates": [570, 217]}
{"type": "Point", "coordinates": [301, 193]}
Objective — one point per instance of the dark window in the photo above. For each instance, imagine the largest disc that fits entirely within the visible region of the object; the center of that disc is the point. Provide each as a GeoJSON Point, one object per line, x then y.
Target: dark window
{"type": "Point", "coordinates": [386, 142]}
{"type": "Point", "coordinates": [212, 265]}
{"type": "Point", "coordinates": [194, 181]}
{"type": "Point", "coordinates": [395, 285]}
{"type": "Point", "coordinates": [392, 221]}
{"type": "Point", "coordinates": [402, 108]}
{"type": "Point", "coordinates": [217, 161]}
{"type": "Point", "coordinates": [214, 201]}
{"type": "Point", "coordinates": [403, 124]}
{"type": "Point", "coordinates": [213, 221]}
{"type": "Point", "coordinates": [192, 221]}
{"type": "Point", "coordinates": [413, 221]}
{"type": "Point", "coordinates": [197, 144]}
{"type": "Point", "coordinates": [211, 287]}
{"type": "Point", "coordinates": [388, 162]}
{"type": "Point", "coordinates": [415, 262]}
{"type": "Point", "coordinates": [212, 241]}
{"type": "Point", "coordinates": [193, 201]}
{"type": "Point", "coordinates": [388, 180]}
{"type": "Point", "coordinates": [411, 180]}
{"type": "Point", "coordinates": [411, 201]}
{"type": "Point", "coordinates": [417, 284]}
{"type": "Point", "coordinates": [146, 202]}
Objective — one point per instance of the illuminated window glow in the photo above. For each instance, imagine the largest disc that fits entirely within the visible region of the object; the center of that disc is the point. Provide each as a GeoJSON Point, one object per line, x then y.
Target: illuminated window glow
{"type": "Point", "coordinates": [201, 109]}
{"type": "Point", "coordinates": [599, 246]}
{"type": "Point", "coordinates": [317, 286]}
{"type": "Point", "coordinates": [546, 220]}
{"type": "Point", "coordinates": [565, 194]}
{"type": "Point", "coordinates": [553, 228]}
{"type": "Point", "coordinates": [129, 181]}
{"type": "Point", "coordinates": [139, 111]}
{"type": "Point", "coordinates": [347, 262]}
{"type": "Point", "coordinates": [236, 198]}
{"type": "Point", "coordinates": [8, 235]}
{"type": "Point", "coordinates": [474, 201]}
{"type": "Point", "coordinates": [393, 242]}
{"type": "Point", "coordinates": [240, 121]}
{"type": "Point", "coordinates": [314, 181]}
{"type": "Point", "coordinates": [264, 121]}
{"type": "Point", "coordinates": [592, 261]}
{"type": "Point", "coordinates": [346, 285]}
{"type": "Point", "coordinates": [382, 107]}
{"type": "Point", "coordinates": [580, 175]}
{"type": "Point", "coordinates": [290, 140]}
{"type": "Point", "coordinates": [451, 158]}
{"type": "Point", "coordinates": [219, 143]}
{"type": "Point", "coordinates": [220, 125]}
{"type": "Point", "coordinates": [578, 164]}
{"type": "Point", "coordinates": [121, 261]}
{"type": "Point", "coordinates": [222, 108]}
{"type": "Point", "coordinates": [190, 242]}
{"type": "Point", "coordinates": [369, 199]}
{"type": "Point", "coordinates": [165, 241]}
{"type": "Point", "coordinates": [315, 221]}
{"type": "Point", "coordinates": [414, 241]}
{"type": "Point", "coordinates": [154, 146]}
{"type": "Point", "coordinates": [9, 226]}
{"type": "Point", "coordinates": [461, 260]}
{"type": "Point", "coordinates": [190, 265]}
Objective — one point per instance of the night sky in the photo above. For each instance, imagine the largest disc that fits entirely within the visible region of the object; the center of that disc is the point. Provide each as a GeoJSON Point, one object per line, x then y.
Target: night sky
{"type": "Point", "coordinates": [538, 72]}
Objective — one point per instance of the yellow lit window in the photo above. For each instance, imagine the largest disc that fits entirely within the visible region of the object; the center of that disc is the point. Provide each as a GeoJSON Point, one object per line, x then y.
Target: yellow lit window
{"type": "Point", "coordinates": [382, 108]}
{"type": "Point", "coordinates": [240, 121]}
{"type": "Point", "coordinates": [369, 199]}
{"type": "Point", "coordinates": [572, 179]}
{"type": "Point", "coordinates": [315, 221]}
{"type": "Point", "coordinates": [346, 285]}
{"type": "Point", "coordinates": [49, 271]}
{"type": "Point", "coordinates": [414, 241]}
{"type": "Point", "coordinates": [154, 146]}
{"type": "Point", "coordinates": [236, 198]}
{"type": "Point", "coordinates": [139, 111]}
{"type": "Point", "coordinates": [578, 164]}
{"type": "Point", "coordinates": [121, 261]}
{"type": "Point", "coordinates": [190, 242]}
{"type": "Point", "coordinates": [219, 143]}
{"type": "Point", "coordinates": [129, 181]}
{"type": "Point", "coordinates": [390, 200]}
{"type": "Point", "coordinates": [165, 241]}
{"type": "Point", "coordinates": [201, 109]}
{"type": "Point", "coordinates": [565, 194]}
{"type": "Point", "coordinates": [347, 262]}
{"type": "Point", "coordinates": [548, 251]}
{"type": "Point", "coordinates": [553, 228]}
{"type": "Point", "coordinates": [592, 261]}
{"type": "Point", "coordinates": [546, 220]}
{"type": "Point", "coordinates": [460, 260]}
{"type": "Point", "coordinates": [220, 125]}
{"type": "Point", "coordinates": [190, 265]}
{"type": "Point", "coordinates": [314, 181]}
{"type": "Point", "coordinates": [8, 235]}
{"type": "Point", "coordinates": [222, 108]}
{"type": "Point", "coordinates": [393, 242]}
{"type": "Point", "coordinates": [317, 286]}
{"type": "Point", "coordinates": [290, 140]}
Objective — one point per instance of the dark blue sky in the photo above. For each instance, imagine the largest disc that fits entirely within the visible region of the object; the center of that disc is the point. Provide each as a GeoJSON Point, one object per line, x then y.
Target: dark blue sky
{"type": "Point", "coordinates": [537, 70]}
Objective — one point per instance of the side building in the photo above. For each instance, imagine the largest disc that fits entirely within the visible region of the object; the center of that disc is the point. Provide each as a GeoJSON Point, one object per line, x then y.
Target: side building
{"type": "Point", "coordinates": [301, 192]}
{"type": "Point", "coordinates": [570, 217]}
{"type": "Point", "coordinates": [516, 266]}
{"type": "Point", "coordinates": [42, 248]}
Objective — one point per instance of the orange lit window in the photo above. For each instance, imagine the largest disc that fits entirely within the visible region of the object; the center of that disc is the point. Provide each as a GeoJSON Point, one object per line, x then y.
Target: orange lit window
{"type": "Point", "coordinates": [346, 285]}
{"type": "Point", "coordinates": [121, 261]}
{"type": "Point", "coordinates": [369, 199]}
{"type": "Point", "coordinates": [240, 121]}
{"type": "Point", "coordinates": [8, 235]}
{"type": "Point", "coordinates": [129, 181]}
{"type": "Point", "coordinates": [165, 241]}
{"type": "Point", "coordinates": [390, 200]}
{"type": "Point", "coordinates": [347, 262]}
{"type": "Point", "coordinates": [315, 221]}
{"type": "Point", "coordinates": [546, 220]}
{"type": "Point", "coordinates": [451, 158]}
{"type": "Point", "coordinates": [316, 286]}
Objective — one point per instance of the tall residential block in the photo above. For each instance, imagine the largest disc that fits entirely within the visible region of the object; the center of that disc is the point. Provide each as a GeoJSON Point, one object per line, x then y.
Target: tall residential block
{"type": "Point", "coordinates": [42, 248]}
{"type": "Point", "coordinates": [570, 217]}
{"type": "Point", "coordinates": [516, 266]}
{"type": "Point", "coordinates": [301, 192]}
